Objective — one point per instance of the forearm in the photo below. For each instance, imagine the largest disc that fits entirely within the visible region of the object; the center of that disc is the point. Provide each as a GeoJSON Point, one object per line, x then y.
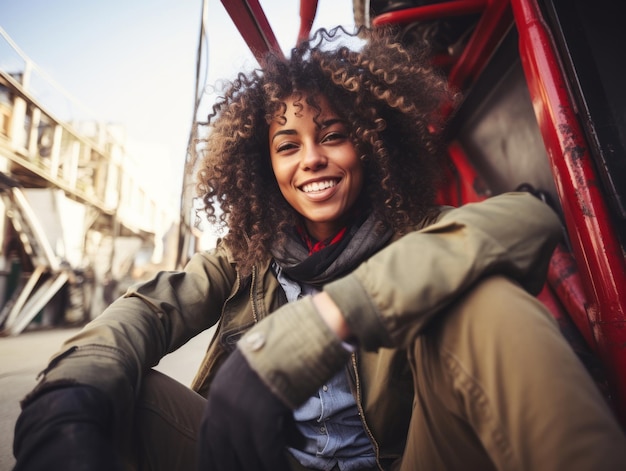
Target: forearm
{"type": "Point", "coordinates": [152, 319]}
{"type": "Point", "coordinates": [393, 295]}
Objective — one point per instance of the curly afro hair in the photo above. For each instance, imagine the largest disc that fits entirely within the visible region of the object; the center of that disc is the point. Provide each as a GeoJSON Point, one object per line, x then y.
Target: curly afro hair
{"type": "Point", "coordinates": [389, 94]}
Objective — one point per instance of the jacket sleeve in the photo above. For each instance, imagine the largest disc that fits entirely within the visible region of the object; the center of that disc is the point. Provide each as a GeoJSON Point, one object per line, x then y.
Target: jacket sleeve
{"type": "Point", "coordinates": [150, 320]}
{"type": "Point", "coordinates": [389, 298]}
{"type": "Point", "coordinates": [404, 285]}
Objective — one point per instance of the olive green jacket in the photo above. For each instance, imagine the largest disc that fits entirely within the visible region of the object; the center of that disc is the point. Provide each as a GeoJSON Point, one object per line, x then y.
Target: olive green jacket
{"type": "Point", "coordinates": [386, 301]}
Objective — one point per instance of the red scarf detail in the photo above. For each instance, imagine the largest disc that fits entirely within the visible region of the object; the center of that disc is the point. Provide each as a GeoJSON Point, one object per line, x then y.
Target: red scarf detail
{"type": "Point", "coordinates": [317, 246]}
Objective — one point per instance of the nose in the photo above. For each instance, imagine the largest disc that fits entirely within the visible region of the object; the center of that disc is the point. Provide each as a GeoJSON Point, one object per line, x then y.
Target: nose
{"type": "Point", "coordinates": [313, 158]}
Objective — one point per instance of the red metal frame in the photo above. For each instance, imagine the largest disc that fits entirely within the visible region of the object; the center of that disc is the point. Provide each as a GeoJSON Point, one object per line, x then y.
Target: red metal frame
{"type": "Point", "coordinates": [463, 183]}
{"type": "Point", "coordinates": [308, 9]}
{"type": "Point", "coordinates": [564, 278]}
{"type": "Point", "coordinates": [495, 20]}
{"type": "Point", "coordinates": [592, 235]}
{"type": "Point", "coordinates": [431, 12]}
{"type": "Point", "coordinates": [250, 20]}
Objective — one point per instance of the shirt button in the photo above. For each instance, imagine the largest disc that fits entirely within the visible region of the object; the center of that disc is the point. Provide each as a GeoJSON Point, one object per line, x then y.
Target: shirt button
{"type": "Point", "coordinates": [255, 340]}
{"type": "Point", "coordinates": [323, 429]}
{"type": "Point", "coordinates": [325, 388]}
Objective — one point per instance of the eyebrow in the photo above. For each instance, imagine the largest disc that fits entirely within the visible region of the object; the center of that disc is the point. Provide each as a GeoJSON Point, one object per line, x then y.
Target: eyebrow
{"type": "Point", "coordinates": [289, 132]}
{"type": "Point", "coordinates": [293, 132]}
{"type": "Point", "coordinates": [331, 121]}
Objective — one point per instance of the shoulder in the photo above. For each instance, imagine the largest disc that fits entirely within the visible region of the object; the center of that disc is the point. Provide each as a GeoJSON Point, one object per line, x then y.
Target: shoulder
{"type": "Point", "coordinates": [218, 258]}
{"type": "Point", "coordinates": [433, 216]}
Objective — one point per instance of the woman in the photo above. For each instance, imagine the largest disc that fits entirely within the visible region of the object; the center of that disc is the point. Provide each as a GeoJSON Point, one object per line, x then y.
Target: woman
{"type": "Point", "coordinates": [360, 326]}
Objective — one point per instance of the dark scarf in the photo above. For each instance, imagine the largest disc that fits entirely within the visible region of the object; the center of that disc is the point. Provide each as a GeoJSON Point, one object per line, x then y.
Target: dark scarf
{"type": "Point", "coordinates": [342, 256]}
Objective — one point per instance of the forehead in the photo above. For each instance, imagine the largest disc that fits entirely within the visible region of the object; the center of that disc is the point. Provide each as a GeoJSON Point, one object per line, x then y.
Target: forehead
{"type": "Point", "coordinates": [315, 107]}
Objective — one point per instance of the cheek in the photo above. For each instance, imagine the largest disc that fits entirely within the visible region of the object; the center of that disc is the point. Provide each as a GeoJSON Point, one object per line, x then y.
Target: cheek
{"type": "Point", "coordinates": [358, 176]}
{"type": "Point", "coordinates": [281, 175]}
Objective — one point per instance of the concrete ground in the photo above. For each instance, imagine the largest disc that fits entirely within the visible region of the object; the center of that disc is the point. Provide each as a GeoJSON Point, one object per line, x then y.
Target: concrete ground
{"type": "Point", "coordinates": [22, 357]}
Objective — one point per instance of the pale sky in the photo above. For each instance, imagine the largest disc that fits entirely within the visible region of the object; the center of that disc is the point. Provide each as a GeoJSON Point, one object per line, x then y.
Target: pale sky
{"type": "Point", "coordinates": [133, 62]}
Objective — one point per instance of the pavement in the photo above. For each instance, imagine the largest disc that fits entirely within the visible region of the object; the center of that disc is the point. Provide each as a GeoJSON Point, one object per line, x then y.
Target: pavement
{"type": "Point", "coordinates": [23, 356]}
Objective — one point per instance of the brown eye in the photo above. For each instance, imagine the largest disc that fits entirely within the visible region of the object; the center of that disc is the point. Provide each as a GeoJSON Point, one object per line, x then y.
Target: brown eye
{"type": "Point", "coordinates": [285, 147]}
{"type": "Point", "coordinates": [334, 136]}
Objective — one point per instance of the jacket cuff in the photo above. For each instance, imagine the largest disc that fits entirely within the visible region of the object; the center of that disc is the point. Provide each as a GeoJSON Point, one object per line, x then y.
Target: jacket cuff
{"type": "Point", "coordinates": [95, 366]}
{"type": "Point", "coordinates": [361, 315]}
{"type": "Point", "coordinates": [294, 351]}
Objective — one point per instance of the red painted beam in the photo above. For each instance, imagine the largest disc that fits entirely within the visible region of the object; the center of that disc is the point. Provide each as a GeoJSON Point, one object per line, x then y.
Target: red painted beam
{"type": "Point", "coordinates": [430, 12]}
{"type": "Point", "coordinates": [494, 23]}
{"type": "Point", "coordinates": [593, 238]}
{"type": "Point", "coordinates": [495, 20]}
{"type": "Point", "coordinates": [250, 20]}
{"type": "Point", "coordinates": [308, 10]}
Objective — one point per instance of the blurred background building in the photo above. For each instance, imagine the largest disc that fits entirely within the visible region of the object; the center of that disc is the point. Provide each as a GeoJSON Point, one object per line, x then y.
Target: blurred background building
{"type": "Point", "coordinates": [79, 221]}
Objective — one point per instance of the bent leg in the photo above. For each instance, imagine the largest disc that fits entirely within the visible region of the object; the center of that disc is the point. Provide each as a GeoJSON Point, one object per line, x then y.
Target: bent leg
{"type": "Point", "coordinates": [498, 387]}
{"type": "Point", "coordinates": [167, 420]}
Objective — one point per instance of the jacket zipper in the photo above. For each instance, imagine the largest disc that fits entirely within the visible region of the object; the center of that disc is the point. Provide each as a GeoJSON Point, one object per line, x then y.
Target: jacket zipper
{"type": "Point", "coordinates": [359, 405]}
{"type": "Point", "coordinates": [252, 296]}
{"type": "Point", "coordinates": [231, 296]}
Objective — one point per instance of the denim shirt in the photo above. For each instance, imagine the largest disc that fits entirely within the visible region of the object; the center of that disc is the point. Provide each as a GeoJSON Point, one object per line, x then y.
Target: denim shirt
{"type": "Point", "coordinates": [329, 421]}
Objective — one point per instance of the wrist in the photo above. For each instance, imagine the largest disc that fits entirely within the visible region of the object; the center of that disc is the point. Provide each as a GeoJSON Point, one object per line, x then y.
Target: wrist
{"type": "Point", "coordinates": [294, 351]}
{"type": "Point", "coordinates": [331, 314]}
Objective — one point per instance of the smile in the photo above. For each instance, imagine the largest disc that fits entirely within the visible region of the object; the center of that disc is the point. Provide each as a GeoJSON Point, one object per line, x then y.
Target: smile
{"type": "Point", "coordinates": [318, 186]}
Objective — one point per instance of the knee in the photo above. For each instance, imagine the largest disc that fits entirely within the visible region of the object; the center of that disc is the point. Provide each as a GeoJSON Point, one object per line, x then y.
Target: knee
{"type": "Point", "coordinates": [164, 394]}
{"type": "Point", "coordinates": [493, 317]}
{"type": "Point", "coordinates": [499, 303]}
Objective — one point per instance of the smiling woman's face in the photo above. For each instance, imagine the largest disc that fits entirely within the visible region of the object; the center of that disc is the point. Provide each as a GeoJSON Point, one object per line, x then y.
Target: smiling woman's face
{"type": "Point", "coordinates": [316, 166]}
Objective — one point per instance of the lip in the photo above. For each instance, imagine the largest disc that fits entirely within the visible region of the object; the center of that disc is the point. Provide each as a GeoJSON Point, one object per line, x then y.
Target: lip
{"type": "Point", "coordinates": [321, 194]}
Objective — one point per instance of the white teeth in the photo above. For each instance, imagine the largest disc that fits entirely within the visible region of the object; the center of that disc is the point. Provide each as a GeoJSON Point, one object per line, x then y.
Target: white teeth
{"type": "Point", "coordinates": [318, 186]}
